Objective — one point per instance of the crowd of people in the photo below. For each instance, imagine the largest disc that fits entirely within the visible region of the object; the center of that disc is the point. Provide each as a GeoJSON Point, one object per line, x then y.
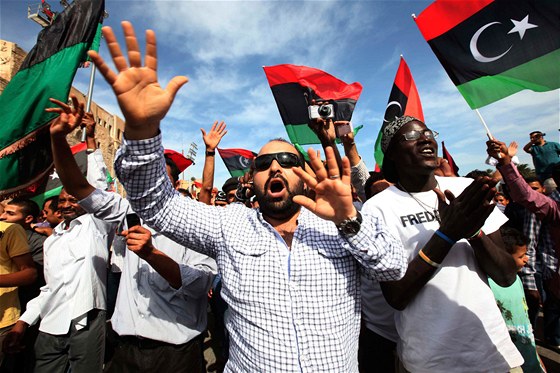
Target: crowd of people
{"type": "Point", "coordinates": [307, 264]}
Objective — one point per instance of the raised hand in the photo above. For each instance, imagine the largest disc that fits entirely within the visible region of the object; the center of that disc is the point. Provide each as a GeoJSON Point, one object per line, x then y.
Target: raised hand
{"type": "Point", "coordinates": [142, 100]}
{"type": "Point", "coordinates": [512, 148]}
{"type": "Point", "coordinates": [466, 214]}
{"type": "Point", "coordinates": [498, 150]}
{"type": "Point", "coordinates": [333, 193]}
{"type": "Point", "coordinates": [70, 116]}
{"type": "Point", "coordinates": [139, 241]}
{"type": "Point", "coordinates": [214, 136]}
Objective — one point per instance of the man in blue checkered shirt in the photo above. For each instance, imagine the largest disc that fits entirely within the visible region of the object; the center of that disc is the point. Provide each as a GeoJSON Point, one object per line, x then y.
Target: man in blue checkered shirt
{"type": "Point", "coordinates": [290, 269]}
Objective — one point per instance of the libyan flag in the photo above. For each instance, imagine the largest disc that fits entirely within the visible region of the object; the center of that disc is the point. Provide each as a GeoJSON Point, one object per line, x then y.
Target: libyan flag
{"type": "Point", "coordinates": [52, 185]}
{"type": "Point", "coordinates": [47, 71]}
{"type": "Point", "coordinates": [237, 161]}
{"type": "Point", "coordinates": [293, 88]}
{"type": "Point", "coordinates": [447, 156]}
{"type": "Point", "coordinates": [493, 49]}
{"type": "Point", "coordinates": [403, 100]}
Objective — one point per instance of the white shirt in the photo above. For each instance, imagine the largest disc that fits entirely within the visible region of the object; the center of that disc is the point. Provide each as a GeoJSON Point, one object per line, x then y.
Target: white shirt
{"type": "Point", "coordinates": [303, 317]}
{"type": "Point", "coordinates": [453, 324]}
{"type": "Point", "coordinates": [147, 306]}
{"type": "Point", "coordinates": [75, 273]}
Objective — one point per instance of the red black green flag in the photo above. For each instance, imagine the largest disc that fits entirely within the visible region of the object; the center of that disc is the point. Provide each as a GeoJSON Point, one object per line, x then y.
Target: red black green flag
{"type": "Point", "coordinates": [293, 88]}
{"type": "Point", "coordinates": [47, 71]}
{"type": "Point", "coordinates": [494, 48]}
{"type": "Point", "coordinates": [403, 100]}
{"type": "Point", "coordinates": [237, 161]}
{"type": "Point", "coordinates": [51, 186]}
{"type": "Point", "coordinates": [449, 159]}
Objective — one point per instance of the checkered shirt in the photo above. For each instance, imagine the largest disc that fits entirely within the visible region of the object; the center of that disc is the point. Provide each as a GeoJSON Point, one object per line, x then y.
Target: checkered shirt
{"type": "Point", "coordinates": [531, 229]}
{"type": "Point", "coordinates": [302, 315]}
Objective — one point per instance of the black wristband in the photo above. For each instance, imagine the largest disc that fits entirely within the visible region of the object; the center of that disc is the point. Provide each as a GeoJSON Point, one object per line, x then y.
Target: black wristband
{"type": "Point", "coordinates": [210, 153]}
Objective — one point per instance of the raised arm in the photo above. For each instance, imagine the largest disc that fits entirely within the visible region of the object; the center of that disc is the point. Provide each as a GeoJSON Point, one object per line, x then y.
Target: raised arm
{"type": "Point", "coordinates": [545, 207]}
{"type": "Point", "coordinates": [211, 140]}
{"type": "Point", "coordinates": [142, 100]}
{"type": "Point", "coordinates": [70, 175]}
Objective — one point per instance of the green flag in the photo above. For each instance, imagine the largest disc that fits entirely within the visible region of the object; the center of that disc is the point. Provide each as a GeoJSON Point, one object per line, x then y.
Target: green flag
{"type": "Point", "coordinates": [48, 71]}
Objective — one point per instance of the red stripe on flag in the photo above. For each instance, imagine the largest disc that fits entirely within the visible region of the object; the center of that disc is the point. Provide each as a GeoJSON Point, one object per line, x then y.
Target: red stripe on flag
{"type": "Point", "coordinates": [323, 84]}
{"type": "Point", "coordinates": [81, 147]}
{"type": "Point", "coordinates": [443, 15]}
{"type": "Point", "coordinates": [227, 153]}
{"type": "Point", "coordinates": [404, 81]}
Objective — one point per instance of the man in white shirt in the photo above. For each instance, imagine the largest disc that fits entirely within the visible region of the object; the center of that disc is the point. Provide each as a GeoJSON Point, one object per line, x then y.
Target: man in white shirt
{"type": "Point", "coordinates": [448, 320]}
{"type": "Point", "coordinates": [160, 312]}
{"type": "Point", "coordinates": [71, 305]}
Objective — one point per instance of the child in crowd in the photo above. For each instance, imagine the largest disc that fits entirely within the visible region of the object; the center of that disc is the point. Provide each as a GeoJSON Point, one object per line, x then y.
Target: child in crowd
{"type": "Point", "coordinates": [512, 304]}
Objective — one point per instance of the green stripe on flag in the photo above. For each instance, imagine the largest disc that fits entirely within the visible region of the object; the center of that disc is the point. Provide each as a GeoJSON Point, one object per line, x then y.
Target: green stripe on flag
{"type": "Point", "coordinates": [40, 199]}
{"type": "Point", "coordinates": [540, 75]}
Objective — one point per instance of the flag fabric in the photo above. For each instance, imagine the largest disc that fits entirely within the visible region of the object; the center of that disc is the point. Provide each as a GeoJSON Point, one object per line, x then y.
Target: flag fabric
{"type": "Point", "coordinates": [179, 159]}
{"type": "Point", "coordinates": [403, 100]}
{"type": "Point", "coordinates": [47, 71]}
{"type": "Point", "coordinates": [51, 186]}
{"type": "Point", "coordinates": [293, 88]}
{"type": "Point", "coordinates": [493, 49]}
{"type": "Point", "coordinates": [237, 161]}
{"type": "Point", "coordinates": [449, 159]}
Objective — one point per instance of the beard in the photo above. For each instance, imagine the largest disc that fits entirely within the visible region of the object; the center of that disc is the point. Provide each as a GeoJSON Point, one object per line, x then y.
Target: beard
{"type": "Point", "coordinates": [279, 208]}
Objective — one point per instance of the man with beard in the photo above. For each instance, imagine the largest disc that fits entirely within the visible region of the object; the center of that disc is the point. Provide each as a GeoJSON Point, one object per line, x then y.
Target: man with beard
{"type": "Point", "coordinates": [290, 274]}
{"type": "Point", "coordinates": [448, 319]}
{"type": "Point", "coordinates": [71, 306]}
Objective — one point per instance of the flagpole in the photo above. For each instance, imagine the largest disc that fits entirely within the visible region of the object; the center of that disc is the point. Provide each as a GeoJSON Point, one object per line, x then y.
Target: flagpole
{"type": "Point", "coordinates": [490, 137]}
{"type": "Point", "coordinates": [89, 96]}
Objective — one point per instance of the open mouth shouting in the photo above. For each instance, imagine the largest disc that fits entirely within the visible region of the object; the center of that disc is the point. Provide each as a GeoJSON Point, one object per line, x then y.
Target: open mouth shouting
{"type": "Point", "coordinates": [276, 187]}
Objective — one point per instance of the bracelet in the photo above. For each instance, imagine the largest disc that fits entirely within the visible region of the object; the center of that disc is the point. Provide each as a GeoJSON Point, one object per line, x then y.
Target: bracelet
{"type": "Point", "coordinates": [89, 150]}
{"type": "Point", "coordinates": [478, 234]}
{"type": "Point", "coordinates": [425, 258]}
{"type": "Point", "coordinates": [210, 153]}
{"type": "Point", "coordinates": [444, 237]}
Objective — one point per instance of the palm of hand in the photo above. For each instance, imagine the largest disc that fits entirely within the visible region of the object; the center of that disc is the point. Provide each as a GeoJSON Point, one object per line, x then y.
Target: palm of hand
{"type": "Point", "coordinates": [212, 139]}
{"type": "Point", "coordinates": [140, 96]}
{"type": "Point", "coordinates": [331, 196]}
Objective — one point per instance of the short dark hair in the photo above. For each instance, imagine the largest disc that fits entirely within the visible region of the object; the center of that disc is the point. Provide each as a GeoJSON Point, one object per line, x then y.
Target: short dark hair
{"type": "Point", "coordinates": [477, 173]}
{"type": "Point", "coordinates": [512, 237]}
{"type": "Point", "coordinates": [374, 176]}
{"type": "Point", "coordinates": [27, 206]}
{"type": "Point", "coordinates": [537, 132]}
{"type": "Point", "coordinates": [532, 179]}
{"type": "Point", "coordinates": [174, 169]}
{"type": "Point", "coordinates": [54, 203]}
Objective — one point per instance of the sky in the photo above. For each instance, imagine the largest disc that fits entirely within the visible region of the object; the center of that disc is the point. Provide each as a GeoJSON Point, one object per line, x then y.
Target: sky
{"type": "Point", "coordinates": [223, 45]}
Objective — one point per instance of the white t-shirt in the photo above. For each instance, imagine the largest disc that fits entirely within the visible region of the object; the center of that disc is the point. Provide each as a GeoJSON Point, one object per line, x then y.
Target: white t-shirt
{"type": "Point", "coordinates": [453, 323]}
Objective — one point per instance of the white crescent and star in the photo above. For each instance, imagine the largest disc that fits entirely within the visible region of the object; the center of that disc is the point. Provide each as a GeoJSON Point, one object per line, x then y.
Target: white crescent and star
{"type": "Point", "coordinates": [391, 103]}
{"type": "Point", "coordinates": [518, 26]}
{"type": "Point", "coordinates": [54, 175]}
{"type": "Point", "coordinates": [244, 162]}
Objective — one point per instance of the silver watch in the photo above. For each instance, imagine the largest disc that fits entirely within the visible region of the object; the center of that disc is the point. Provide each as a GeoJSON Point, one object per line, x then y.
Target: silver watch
{"type": "Point", "coordinates": [350, 227]}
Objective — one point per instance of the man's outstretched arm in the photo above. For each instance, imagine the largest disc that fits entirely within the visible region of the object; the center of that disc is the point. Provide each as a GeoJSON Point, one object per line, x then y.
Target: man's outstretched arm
{"type": "Point", "coordinates": [142, 100]}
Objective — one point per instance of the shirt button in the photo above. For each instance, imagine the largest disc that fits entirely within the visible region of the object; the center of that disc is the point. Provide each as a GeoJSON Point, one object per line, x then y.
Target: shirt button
{"type": "Point", "coordinates": [141, 315]}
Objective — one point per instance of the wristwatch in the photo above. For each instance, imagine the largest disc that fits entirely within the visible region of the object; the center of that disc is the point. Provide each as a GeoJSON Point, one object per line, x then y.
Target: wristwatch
{"type": "Point", "coordinates": [350, 227]}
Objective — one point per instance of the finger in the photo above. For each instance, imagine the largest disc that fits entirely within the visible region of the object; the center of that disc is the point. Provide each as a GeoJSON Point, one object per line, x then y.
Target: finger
{"type": "Point", "coordinates": [332, 164]}
{"type": "Point", "coordinates": [221, 126]}
{"type": "Point", "coordinates": [213, 128]}
{"type": "Point", "coordinates": [346, 171]}
{"type": "Point", "coordinates": [134, 55]}
{"type": "Point", "coordinates": [203, 132]}
{"type": "Point", "coordinates": [306, 202]}
{"type": "Point", "coordinates": [54, 110]}
{"type": "Point", "coordinates": [65, 107]}
{"type": "Point", "coordinates": [151, 50]}
{"type": "Point", "coordinates": [115, 49]}
{"type": "Point", "coordinates": [103, 68]}
{"type": "Point", "coordinates": [309, 180]}
{"type": "Point", "coordinates": [175, 84]}
{"type": "Point", "coordinates": [449, 195]}
{"type": "Point", "coordinates": [440, 195]}
{"type": "Point", "coordinates": [317, 165]}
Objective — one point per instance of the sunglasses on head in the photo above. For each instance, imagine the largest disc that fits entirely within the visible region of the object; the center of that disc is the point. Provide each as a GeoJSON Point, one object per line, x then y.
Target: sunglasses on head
{"type": "Point", "coordinates": [284, 159]}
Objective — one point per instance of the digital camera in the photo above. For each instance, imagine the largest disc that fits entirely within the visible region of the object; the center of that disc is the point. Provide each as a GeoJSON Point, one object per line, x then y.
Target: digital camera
{"type": "Point", "coordinates": [324, 111]}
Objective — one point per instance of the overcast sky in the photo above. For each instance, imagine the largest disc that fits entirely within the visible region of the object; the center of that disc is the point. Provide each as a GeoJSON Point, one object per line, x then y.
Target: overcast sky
{"type": "Point", "coordinates": [221, 46]}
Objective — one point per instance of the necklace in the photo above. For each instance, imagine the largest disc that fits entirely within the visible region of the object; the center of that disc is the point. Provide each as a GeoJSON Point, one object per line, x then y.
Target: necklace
{"type": "Point", "coordinates": [425, 206]}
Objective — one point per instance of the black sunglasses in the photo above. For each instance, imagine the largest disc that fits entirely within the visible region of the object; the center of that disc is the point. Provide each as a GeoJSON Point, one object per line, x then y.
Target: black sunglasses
{"type": "Point", "coordinates": [285, 159]}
